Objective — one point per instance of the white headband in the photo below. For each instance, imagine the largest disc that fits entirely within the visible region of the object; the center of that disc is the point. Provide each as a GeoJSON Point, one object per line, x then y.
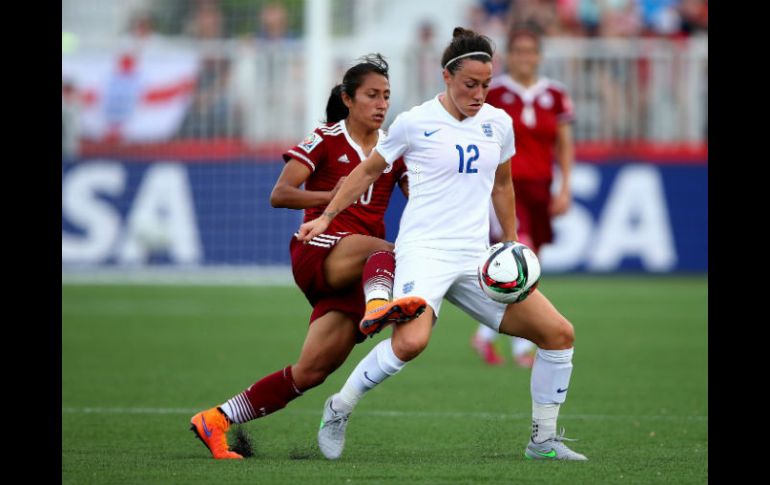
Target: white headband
{"type": "Point", "coordinates": [477, 53]}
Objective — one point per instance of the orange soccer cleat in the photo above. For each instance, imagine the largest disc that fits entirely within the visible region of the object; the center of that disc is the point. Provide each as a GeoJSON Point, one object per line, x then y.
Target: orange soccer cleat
{"type": "Point", "coordinates": [211, 427]}
{"type": "Point", "coordinates": [381, 313]}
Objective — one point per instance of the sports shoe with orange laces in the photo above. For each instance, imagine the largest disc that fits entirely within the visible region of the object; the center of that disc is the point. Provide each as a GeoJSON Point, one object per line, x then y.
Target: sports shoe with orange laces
{"type": "Point", "coordinates": [211, 427]}
{"type": "Point", "coordinates": [486, 351]}
{"type": "Point", "coordinates": [381, 313]}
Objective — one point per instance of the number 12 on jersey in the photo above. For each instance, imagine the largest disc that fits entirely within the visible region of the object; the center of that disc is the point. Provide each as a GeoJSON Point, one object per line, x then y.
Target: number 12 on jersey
{"type": "Point", "coordinates": [467, 165]}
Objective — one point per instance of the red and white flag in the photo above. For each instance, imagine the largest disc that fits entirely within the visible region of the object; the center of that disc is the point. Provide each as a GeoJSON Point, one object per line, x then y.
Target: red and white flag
{"type": "Point", "coordinates": [131, 97]}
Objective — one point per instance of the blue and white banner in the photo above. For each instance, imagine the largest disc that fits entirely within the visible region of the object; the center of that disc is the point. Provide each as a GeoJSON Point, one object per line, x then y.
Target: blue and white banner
{"type": "Point", "coordinates": [625, 217]}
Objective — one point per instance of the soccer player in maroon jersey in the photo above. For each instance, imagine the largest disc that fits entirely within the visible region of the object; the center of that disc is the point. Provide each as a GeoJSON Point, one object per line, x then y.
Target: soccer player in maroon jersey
{"type": "Point", "coordinates": [339, 270]}
{"type": "Point", "coordinates": [542, 115]}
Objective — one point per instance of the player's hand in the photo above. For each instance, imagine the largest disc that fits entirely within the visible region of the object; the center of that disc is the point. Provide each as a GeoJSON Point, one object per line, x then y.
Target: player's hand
{"type": "Point", "coordinates": [333, 192]}
{"type": "Point", "coordinates": [560, 204]}
{"type": "Point", "coordinates": [311, 229]}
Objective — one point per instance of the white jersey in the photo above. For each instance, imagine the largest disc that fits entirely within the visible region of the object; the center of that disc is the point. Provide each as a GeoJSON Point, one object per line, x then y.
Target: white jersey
{"type": "Point", "coordinates": [451, 166]}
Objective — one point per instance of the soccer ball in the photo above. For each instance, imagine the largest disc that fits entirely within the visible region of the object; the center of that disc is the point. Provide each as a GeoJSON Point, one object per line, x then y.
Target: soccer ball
{"type": "Point", "coordinates": [509, 272]}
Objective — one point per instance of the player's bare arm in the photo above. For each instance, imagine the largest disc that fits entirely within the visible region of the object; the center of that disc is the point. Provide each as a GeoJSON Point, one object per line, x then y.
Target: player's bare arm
{"type": "Point", "coordinates": [288, 194]}
{"type": "Point", "coordinates": [565, 153]}
{"type": "Point", "coordinates": [352, 188]}
{"type": "Point", "coordinates": [504, 201]}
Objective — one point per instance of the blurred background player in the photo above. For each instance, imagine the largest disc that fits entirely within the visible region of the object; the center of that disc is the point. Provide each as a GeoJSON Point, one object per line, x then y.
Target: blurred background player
{"type": "Point", "coordinates": [338, 270]}
{"type": "Point", "coordinates": [542, 115]}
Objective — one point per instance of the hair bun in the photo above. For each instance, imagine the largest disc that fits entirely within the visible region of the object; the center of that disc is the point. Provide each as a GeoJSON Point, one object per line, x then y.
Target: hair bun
{"type": "Point", "coordinates": [461, 32]}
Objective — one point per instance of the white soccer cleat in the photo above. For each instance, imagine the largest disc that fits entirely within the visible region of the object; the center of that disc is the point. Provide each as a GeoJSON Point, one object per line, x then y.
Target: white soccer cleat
{"type": "Point", "coordinates": [552, 449]}
{"type": "Point", "coordinates": [331, 434]}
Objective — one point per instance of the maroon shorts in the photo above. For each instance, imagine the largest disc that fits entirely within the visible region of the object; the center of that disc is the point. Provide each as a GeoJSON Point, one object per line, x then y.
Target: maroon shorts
{"type": "Point", "coordinates": [533, 200]}
{"type": "Point", "coordinates": [307, 266]}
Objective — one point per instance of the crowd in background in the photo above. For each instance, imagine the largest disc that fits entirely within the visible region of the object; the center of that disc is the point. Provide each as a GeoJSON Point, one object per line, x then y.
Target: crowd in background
{"type": "Point", "coordinates": [220, 106]}
{"type": "Point", "coordinates": [574, 18]}
{"type": "Point", "coordinates": [592, 18]}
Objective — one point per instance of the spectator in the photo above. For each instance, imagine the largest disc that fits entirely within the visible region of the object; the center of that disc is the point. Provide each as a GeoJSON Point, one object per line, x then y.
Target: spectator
{"type": "Point", "coordinates": [589, 13]}
{"type": "Point", "coordinates": [694, 15]}
{"type": "Point", "coordinates": [538, 15]}
{"type": "Point", "coordinates": [423, 56]}
{"type": "Point", "coordinates": [493, 26]}
{"type": "Point", "coordinates": [274, 22]}
{"type": "Point", "coordinates": [615, 71]}
{"type": "Point", "coordinates": [70, 123]}
{"type": "Point", "coordinates": [141, 25]}
{"type": "Point", "coordinates": [266, 67]}
{"type": "Point", "coordinates": [121, 96]}
{"type": "Point", "coordinates": [206, 22]}
{"type": "Point", "coordinates": [620, 18]}
{"type": "Point", "coordinates": [660, 17]}
{"type": "Point", "coordinates": [568, 20]}
{"type": "Point", "coordinates": [209, 114]}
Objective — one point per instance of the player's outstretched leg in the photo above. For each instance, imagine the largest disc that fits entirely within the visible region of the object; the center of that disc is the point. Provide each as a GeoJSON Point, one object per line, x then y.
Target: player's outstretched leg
{"type": "Point", "coordinates": [380, 313]}
{"type": "Point", "coordinates": [382, 362]}
{"type": "Point", "coordinates": [379, 364]}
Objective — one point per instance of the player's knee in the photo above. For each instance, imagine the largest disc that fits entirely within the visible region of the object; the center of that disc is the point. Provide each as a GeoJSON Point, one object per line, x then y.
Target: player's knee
{"type": "Point", "coordinates": [381, 245]}
{"type": "Point", "coordinates": [560, 336]}
{"type": "Point", "coordinates": [564, 336]}
{"type": "Point", "coordinates": [407, 347]}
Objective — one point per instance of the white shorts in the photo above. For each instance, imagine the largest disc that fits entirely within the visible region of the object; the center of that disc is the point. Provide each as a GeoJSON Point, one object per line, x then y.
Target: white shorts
{"type": "Point", "coordinates": [435, 275]}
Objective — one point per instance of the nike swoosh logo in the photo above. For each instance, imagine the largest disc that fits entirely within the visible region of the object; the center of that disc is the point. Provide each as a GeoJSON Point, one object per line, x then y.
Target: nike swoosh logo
{"type": "Point", "coordinates": [206, 428]}
{"type": "Point", "coordinates": [562, 390]}
{"type": "Point", "coordinates": [429, 133]}
{"type": "Point", "coordinates": [550, 454]}
{"type": "Point", "coordinates": [369, 379]}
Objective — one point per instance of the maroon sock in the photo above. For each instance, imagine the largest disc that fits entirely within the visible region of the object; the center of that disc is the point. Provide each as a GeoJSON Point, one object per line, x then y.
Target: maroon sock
{"type": "Point", "coordinates": [378, 274]}
{"type": "Point", "coordinates": [265, 396]}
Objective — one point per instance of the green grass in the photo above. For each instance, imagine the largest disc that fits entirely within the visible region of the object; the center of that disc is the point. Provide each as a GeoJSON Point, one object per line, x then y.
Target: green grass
{"type": "Point", "coordinates": [137, 362]}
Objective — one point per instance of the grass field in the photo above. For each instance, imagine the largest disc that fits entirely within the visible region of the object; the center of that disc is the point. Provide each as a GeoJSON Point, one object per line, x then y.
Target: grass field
{"type": "Point", "coordinates": [137, 362]}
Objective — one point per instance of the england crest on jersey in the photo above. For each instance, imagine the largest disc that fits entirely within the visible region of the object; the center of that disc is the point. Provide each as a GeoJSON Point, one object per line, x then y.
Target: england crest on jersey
{"type": "Point", "coordinates": [487, 127]}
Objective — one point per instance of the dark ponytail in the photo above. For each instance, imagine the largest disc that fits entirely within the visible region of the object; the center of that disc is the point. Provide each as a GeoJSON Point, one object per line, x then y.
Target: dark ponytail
{"type": "Point", "coordinates": [335, 108]}
{"type": "Point", "coordinates": [465, 41]}
{"type": "Point", "coordinates": [353, 79]}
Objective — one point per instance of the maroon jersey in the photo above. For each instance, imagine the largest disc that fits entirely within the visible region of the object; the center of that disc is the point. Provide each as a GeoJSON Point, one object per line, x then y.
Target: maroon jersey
{"type": "Point", "coordinates": [330, 153]}
{"type": "Point", "coordinates": [537, 112]}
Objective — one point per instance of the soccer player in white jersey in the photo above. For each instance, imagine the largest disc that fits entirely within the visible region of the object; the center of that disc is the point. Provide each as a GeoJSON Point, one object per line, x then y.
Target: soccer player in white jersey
{"type": "Point", "coordinates": [457, 151]}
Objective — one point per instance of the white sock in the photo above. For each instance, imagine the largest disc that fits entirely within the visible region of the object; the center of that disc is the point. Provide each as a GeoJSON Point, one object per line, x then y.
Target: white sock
{"type": "Point", "coordinates": [229, 412]}
{"type": "Point", "coordinates": [486, 334]}
{"type": "Point", "coordinates": [379, 364]}
{"type": "Point", "coordinates": [548, 385]}
{"type": "Point", "coordinates": [544, 421]}
{"type": "Point", "coordinates": [521, 346]}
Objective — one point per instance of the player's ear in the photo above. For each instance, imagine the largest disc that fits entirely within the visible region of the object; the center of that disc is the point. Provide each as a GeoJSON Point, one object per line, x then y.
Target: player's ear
{"type": "Point", "coordinates": [346, 100]}
{"type": "Point", "coordinates": [446, 75]}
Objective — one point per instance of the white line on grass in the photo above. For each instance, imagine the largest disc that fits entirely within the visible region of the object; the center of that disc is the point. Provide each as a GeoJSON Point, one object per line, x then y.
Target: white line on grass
{"type": "Point", "coordinates": [407, 414]}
